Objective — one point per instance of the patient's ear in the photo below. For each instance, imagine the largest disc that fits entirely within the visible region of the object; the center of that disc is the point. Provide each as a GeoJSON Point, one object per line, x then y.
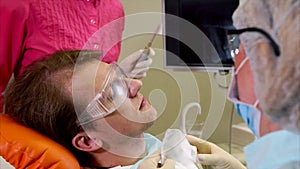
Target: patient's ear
{"type": "Point", "coordinates": [83, 142]}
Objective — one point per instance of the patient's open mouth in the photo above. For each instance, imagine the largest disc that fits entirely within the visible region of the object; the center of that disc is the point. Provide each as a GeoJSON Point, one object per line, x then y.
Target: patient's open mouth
{"type": "Point", "coordinates": [143, 103]}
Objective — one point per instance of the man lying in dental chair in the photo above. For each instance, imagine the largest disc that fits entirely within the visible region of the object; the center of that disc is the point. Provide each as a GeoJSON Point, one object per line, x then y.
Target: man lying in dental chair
{"type": "Point", "coordinates": [89, 107]}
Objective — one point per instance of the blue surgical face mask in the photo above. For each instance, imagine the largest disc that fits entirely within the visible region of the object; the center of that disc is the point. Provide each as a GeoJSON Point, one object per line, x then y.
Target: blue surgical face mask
{"type": "Point", "coordinates": [251, 116]}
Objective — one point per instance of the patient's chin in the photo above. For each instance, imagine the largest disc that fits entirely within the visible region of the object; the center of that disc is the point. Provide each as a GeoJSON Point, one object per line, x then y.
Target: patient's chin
{"type": "Point", "coordinates": [149, 116]}
{"type": "Point", "coordinates": [146, 116]}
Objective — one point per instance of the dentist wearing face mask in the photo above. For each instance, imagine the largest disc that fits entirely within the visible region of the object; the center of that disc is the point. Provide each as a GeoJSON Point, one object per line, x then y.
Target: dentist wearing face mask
{"type": "Point", "coordinates": [268, 32]}
{"type": "Point", "coordinates": [241, 93]}
{"type": "Point", "coordinates": [248, 111]}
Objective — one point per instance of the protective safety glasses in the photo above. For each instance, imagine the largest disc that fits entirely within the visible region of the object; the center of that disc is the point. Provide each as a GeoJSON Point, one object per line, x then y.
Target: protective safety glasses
{"type": "Point", "coordinates": [233, 40]}
{"type": "Point", "coordinates": [112, 94]}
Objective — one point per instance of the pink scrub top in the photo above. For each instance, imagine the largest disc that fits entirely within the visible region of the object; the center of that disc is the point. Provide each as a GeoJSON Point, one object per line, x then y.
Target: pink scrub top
{"type": "Point", "coordinates": [30, 29]}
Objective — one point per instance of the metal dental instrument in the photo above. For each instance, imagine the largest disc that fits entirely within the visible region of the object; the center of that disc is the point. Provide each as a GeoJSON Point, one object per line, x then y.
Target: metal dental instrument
{"type": "Point", "coordinates": [146, 52]}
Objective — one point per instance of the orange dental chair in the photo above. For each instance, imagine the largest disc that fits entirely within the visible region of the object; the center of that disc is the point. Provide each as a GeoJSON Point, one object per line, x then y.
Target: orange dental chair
{"type": "Point", "coordinates": [23, 147]}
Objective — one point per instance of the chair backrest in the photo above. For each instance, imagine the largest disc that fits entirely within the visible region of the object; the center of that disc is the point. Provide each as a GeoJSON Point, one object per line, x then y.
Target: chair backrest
{"type": "Point", "coordinates": [23, 147]}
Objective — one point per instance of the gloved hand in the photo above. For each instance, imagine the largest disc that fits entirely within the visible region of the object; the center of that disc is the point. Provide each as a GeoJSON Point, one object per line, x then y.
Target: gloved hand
{"type": "Point", "coordinates": [135, 68]}
{"type": "Point", "coordinates": [152, 163]}
{"type": "Point", "coordinates": [211, 154]}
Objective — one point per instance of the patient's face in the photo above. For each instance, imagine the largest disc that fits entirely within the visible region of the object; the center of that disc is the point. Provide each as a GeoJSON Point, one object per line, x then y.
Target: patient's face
{"type": "Point", "coordinates": [130, 119]}
{"type": "Point", "coordinates": [135, 115]}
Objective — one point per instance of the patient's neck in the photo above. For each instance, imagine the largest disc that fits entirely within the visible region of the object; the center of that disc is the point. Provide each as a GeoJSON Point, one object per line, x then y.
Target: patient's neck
{"type": "Point", "coordinates": [122, 153]}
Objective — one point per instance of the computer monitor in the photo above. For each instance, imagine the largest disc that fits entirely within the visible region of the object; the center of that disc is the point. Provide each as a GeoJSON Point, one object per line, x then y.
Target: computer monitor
{"type": "Point", "coordinates": [195, 34]}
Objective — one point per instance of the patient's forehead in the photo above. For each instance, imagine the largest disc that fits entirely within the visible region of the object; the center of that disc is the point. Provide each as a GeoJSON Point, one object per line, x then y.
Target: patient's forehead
{"type": "Point", "coordinates": [93, 74]}
{"type": "Point", "coordinates": [87, 81]}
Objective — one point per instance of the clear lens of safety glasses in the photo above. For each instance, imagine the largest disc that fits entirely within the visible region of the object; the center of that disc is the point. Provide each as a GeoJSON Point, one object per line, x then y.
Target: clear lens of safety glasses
{"type": "Point", "coordinates": [112, 94]}
{"type": "Point", "coordinates": [233, 44]}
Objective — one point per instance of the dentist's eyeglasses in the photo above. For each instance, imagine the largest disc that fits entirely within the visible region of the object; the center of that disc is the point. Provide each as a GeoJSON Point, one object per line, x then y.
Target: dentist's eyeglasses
{"type": "Point", "coordinates": [233, 40]}
{"type": "Point", "coordinates": [112, 94]}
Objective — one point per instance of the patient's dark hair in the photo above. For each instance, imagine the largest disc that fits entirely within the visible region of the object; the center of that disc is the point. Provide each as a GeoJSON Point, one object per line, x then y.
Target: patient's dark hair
{"type": "Point", "coordinates": [39, 97]}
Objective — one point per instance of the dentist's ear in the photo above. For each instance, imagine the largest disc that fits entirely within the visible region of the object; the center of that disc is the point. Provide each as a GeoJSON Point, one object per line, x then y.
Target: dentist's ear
{"type": "Point", "coordinates": [84, 143]}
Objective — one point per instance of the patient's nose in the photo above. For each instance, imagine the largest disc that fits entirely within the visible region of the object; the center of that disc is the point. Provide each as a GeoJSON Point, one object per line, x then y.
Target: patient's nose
{"type": "Point", "coordinates": [134, 86]}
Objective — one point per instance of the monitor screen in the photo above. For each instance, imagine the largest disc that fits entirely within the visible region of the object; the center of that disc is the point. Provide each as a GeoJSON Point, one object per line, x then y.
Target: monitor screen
{"type": "Point", "coordinates": [195, 34]}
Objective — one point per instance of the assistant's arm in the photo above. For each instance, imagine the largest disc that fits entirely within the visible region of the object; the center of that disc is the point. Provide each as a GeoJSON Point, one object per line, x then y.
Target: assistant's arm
{"type": "Point", "coordinates": [13, 16]}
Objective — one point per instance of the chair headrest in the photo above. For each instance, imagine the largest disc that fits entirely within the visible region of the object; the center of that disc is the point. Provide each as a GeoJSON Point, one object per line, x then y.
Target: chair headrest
{"type": "Point", "coordinates": [23, 147]}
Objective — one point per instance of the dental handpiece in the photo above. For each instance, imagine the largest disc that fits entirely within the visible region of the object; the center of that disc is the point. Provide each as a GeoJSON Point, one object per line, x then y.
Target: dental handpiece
{"type": "Point", "coordinates": [146, 52]}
